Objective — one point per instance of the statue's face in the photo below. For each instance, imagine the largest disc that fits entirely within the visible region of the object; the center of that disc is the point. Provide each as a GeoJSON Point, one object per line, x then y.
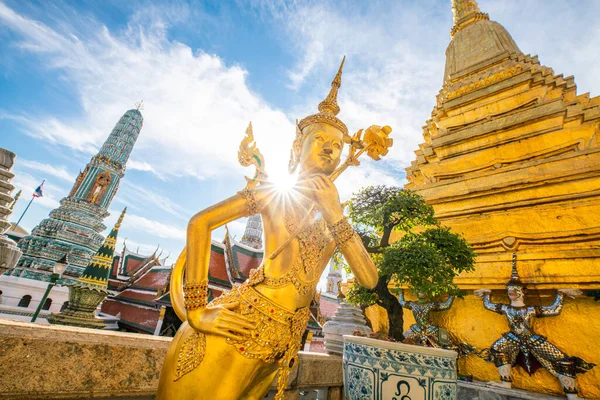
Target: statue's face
{"type": "Point", "coordinates": [515, 293]}
{"type": "Point", "coordinates": [321, 149]}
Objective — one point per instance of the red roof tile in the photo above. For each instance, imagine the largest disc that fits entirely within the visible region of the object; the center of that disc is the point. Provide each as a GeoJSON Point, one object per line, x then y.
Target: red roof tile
{"type": "Point", "coordinates": [246, 263]}
{"type": "Point", "coordinates": [132, 264]}
{"type": "Point", "coordinates": [216, 267]}
{"type": "Point", "coordinates": [155, 278]}
{"type": "Point", "coordinates": [131, 313]}
{"type": "Point", "coordinates": [115, 266]}
{"type": "Point", "coordinates": [133, 295]}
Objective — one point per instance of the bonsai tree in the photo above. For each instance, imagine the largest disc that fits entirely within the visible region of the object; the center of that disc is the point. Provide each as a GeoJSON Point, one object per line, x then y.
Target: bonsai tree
{"type": "Point", "coordinates": [425, 258]}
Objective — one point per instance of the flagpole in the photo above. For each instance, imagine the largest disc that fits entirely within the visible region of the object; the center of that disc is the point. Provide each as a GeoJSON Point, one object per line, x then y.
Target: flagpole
{"type": "Point", "coordinates": [26, 208]}
{"type": "Point", "coordinates": [30, 201]}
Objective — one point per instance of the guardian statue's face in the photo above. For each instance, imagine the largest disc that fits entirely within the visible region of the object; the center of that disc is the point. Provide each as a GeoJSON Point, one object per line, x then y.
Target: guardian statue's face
{"type": "Point", "coordinates": [321, 149]}
{"type": "Point", "coordinates": [515, 292]}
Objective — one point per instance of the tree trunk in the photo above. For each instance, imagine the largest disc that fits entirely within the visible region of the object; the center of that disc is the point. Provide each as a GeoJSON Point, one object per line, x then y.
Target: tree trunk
{"type": "Point", "coordinates": [394, 309]}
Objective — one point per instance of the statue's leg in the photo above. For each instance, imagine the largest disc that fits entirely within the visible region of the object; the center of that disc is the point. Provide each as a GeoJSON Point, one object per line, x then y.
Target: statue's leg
{"type": "Point", "coordinates": [505, 352]}
{"type": "Point", "coordinates": [553, 360]}
{"type": "Point", "coordinates": [223, 373]}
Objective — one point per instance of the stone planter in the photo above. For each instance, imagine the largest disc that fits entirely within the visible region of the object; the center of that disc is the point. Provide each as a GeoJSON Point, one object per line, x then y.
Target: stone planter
{"type": "Point", "coordinates": [380, 370]}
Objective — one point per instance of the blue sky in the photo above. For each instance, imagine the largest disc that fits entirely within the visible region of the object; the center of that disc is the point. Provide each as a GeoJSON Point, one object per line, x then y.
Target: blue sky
{"type": "Point", "coordinates": [69, 70]}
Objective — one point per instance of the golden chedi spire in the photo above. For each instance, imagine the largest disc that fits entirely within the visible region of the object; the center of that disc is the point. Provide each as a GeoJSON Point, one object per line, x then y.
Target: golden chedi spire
{"type": "Point", "coordinates": [475, 40]}
{"type": "Point", "coordinates": [328, 108]}
{"type": "Point", "coordinates": [466, 12]}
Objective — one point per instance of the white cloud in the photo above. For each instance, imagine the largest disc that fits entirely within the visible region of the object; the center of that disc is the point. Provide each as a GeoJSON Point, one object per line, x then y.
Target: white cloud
{"type": "Point", "coordinates": [196, 107]}
{"type": "Point", "coordinates": [137, 223]}
{"type": "Point", "coordinates": [143, 166]}
{"type": "Point", "coordinates": [394, 64]}
{"type": "Point", "coordinates": [59, 171]}
{"type": "Point", "coordinates": [141, 198]}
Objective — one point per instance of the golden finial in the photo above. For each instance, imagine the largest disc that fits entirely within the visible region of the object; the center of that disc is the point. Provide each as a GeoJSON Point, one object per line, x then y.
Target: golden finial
{"type": "Point", "coordinates": [120, 220]}
{"type": "Point", "coordinates": [328, 108]}
{"type": "Point", "coordinates": [465, 13]}
{"type": "Point", "coordinates": [514, 273]}
{"type": "Point", "coordinates": [330, 105]}
{"type": "Point", "coordinates": [15, 200]}
{"type": "Point", "coordinates": [139, 105]}
{"type": "Point", "coordinates": [515, 280]}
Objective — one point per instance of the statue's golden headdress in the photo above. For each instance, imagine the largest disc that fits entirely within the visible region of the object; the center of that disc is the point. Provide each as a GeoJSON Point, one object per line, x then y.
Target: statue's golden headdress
{"type": "Point", "coordinates": [328, 109]}
{"type": "Point", "coordinates": [515, 280]}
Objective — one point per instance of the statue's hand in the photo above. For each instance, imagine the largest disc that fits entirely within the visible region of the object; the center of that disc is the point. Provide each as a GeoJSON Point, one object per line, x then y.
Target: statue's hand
{"type": "Point", "coordinates": [320, 189]}
{"type": "Point", "coordinates": [220, 320]}
{"type": "Point", "coordinates": [481, 292]}
{"type": "Point", "coordinates": [570, 292]}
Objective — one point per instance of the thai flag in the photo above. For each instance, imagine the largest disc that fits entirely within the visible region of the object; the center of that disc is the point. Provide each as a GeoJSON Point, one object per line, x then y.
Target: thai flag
{"type": "Point", "coordinates": [39, 192]}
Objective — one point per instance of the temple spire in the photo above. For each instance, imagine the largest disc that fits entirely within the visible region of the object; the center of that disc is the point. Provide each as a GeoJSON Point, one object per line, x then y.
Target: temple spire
{"type": "Point", "coordinates": [465, 13]}
{"type": "Point", "coordinates": [253, 233]}
{"type": "Point", "coordinates": [96, 274]}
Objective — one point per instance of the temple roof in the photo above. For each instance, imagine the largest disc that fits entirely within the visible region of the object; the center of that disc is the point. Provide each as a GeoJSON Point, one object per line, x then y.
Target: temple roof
{"type": "Point", "coordinates": [138, 317]}
{"type": "Point", "coordinates": [156, 278]}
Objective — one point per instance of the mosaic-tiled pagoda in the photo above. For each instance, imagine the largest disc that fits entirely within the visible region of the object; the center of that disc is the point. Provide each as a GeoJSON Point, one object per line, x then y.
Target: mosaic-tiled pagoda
{"type": "Point", "coordinates": [76, 225]}
{"type": "Point", "coordinates": [253, 233]}
{"type": "Point", "coordinates": [511, 160]}
{"type": "Point", "coordinates": [91, 287]}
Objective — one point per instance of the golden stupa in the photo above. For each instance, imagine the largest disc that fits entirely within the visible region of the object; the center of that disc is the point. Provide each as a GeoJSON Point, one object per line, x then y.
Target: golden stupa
{"type": "Point", "coordinates": [511, 160]}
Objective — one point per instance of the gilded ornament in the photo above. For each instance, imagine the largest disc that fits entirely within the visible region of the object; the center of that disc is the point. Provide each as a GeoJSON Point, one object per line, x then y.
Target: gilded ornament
{"type": "Point", "coordinates": [249, 154]}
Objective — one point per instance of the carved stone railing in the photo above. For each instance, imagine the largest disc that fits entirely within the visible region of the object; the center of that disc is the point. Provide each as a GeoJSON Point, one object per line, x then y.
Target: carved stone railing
{"type": "Point", "coordinates": [63, 362]}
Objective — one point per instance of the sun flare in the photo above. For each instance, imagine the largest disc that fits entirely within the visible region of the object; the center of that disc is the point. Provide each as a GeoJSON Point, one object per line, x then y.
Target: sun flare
{"type": "Point", "coordinates": [283, 182]}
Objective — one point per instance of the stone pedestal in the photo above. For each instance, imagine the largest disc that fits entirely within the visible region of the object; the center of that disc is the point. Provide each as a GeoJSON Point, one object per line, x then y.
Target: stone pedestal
{"type": "Point", "coordinates": [9, 252]}
{"type": "Point", "coordinates": [346, 321]}
{"type": "Point", "coordinates": [81, 310]}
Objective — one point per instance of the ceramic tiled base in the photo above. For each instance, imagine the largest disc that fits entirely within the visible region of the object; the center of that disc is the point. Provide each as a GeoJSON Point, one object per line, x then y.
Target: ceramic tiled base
{"type": "Point", "coordinates": [379, 370]}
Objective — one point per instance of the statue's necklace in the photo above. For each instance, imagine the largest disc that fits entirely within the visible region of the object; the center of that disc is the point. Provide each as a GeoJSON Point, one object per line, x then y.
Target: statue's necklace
{"type": "Point", "coordinates": [313, 240]}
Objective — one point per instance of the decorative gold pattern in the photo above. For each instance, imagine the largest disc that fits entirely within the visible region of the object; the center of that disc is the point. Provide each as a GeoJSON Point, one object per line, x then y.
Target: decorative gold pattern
{"type": "Point", "coordinates": [252, 205]}
{"type": "Point", "coordinates": [312, 241]}
{"type": "Point", "coordinates": [481, 82]}
{"type": "Point", "coordinates": [191, 354]}
{"type": "Point", "coordinates": [341, 231]}
{"type": "Point", "coordinates": [249, 154]}
{"type": "Point", "coordinates": [195, 294]}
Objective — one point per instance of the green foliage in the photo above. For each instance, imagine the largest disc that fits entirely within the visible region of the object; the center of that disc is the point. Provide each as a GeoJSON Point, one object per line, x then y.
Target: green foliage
{"type": "Point", "coordinates": [360, 296]}
{"type": "Point", "coordinates": [382, 208]}
{"type": "Point", "coordinates": [427, 262]}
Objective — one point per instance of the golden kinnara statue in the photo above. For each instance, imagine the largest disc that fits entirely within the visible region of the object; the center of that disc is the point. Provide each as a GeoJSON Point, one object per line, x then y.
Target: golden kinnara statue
{"type": "Point", "coordinates": [235, 347]}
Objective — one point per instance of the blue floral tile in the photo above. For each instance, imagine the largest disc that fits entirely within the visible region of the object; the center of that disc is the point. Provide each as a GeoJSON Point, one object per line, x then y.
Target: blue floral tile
{"type": "Point", "coordinates": [377, 370]}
